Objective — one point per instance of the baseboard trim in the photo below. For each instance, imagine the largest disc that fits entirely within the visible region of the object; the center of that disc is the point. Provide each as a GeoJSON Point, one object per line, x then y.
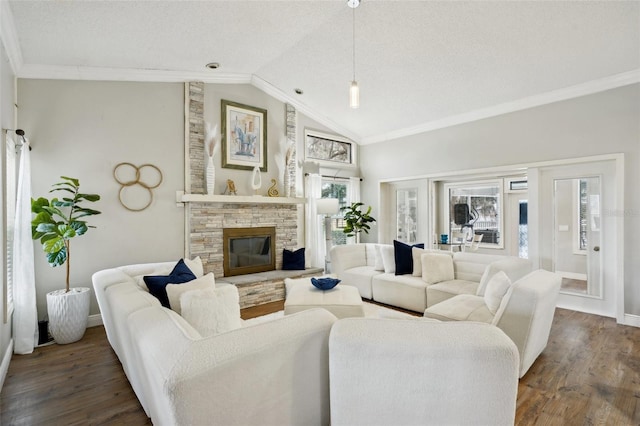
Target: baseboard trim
{"type": "Point", "coordinates": [632, 320]}
{"type": "Point", "coordinates": [94, 320]}
{"type": "Point", "coordinates": [4, 366]}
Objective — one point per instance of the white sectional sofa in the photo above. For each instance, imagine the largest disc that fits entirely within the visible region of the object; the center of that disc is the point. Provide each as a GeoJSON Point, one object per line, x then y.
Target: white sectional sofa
{"type": "Point", "coordinates": [359, 265]}
{"type": "Point", "coordinates": [275, 373]}
{"type": "Point", "coordinates": [300, 369]}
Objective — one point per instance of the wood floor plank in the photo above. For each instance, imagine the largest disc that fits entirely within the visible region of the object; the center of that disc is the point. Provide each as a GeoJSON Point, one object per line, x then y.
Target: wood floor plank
{"type": "Point", "coordinates": [589, 374]}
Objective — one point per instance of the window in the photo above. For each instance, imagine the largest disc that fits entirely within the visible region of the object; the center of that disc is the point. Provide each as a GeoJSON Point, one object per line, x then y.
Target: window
{"type": "Point", "coordinates": [407, 215]}
{"type": "Point", "coordinates": [582, 214]}
{"type": "Point", "coordinates": [336, 189]}
{"type": "Point", "coordinates": [477, 207]}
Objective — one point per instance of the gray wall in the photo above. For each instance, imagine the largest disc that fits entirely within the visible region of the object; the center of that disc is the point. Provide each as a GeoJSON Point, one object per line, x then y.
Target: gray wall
{"type": "Point", "coordinates": [7, 120]}
{"type": "Point", "coordinates": [606, 122]}
{"type": "Point", "coordinates": [83, 130]}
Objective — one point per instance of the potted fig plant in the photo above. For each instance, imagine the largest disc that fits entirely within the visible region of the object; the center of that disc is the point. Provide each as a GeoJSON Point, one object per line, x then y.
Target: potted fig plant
{"type": "Point", "coordinates": [356, 221]}
{"type": "Point", "coordinates": [56, 222]}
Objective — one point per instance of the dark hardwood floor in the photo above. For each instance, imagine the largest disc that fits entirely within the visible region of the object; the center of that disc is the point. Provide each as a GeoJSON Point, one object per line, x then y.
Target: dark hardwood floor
{"type": "Point", "coordinates": [589, 374]}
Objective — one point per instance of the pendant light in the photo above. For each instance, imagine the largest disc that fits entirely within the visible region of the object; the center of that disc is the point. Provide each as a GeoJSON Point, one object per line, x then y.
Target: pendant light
{"type": "Point", "coordinates": [354, 90]}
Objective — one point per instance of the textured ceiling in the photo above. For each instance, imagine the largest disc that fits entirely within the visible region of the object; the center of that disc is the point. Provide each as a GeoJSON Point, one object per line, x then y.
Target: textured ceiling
{"type": "Point", "coordinates": [420, 64]}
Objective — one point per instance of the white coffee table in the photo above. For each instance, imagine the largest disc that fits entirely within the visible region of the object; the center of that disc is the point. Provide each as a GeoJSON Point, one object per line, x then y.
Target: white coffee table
{"type": "Point", "coordinates": [343, 301]}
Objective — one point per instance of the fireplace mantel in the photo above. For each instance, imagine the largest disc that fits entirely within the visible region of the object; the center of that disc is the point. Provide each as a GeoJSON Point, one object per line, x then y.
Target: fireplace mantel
{"type": "Point", "coordinates": [237, 199]}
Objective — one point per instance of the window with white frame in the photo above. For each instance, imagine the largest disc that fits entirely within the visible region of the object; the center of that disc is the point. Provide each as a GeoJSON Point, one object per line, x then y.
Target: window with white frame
{"type": "Point", "coordinates": [476, 208]}
{"type": "Point", "coordinates": [332, 188]}
{"type": "Point", "coordinates": [407, 215]}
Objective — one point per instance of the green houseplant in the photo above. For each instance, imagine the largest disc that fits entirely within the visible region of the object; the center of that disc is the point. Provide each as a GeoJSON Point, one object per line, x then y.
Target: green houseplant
{"type": "Point", "coordinates": [356, 221]}
{"type": "Point", "coordinates": [55, 223]}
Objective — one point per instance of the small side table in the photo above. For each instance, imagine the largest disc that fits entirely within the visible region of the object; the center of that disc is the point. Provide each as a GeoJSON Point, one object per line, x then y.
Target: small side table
{"type": "Point", "coordinates": [450, 246]}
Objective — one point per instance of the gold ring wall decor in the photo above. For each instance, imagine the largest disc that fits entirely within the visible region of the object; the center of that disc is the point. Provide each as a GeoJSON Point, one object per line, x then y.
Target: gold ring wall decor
{"type": "Point", "coordinates": [136, 181]}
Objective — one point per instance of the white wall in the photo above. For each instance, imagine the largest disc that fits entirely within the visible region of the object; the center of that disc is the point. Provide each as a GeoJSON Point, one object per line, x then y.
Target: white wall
{"type": "Point", "coordinates": [606, 122]}
{"type": "Point", "coordinates": [7, 121]}
{"type": "Point", "coordinates": [83, 130]}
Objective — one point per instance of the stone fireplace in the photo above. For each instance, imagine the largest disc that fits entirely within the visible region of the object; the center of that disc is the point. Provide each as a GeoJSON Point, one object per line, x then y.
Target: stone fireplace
{"type": "Point", "coordinates": [208, 216]}
{"type": "Point", "coordinates": [208, 220]}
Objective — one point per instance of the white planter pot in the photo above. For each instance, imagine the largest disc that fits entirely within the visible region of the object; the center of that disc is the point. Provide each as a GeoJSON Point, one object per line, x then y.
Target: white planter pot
{"type": "Point", "coordinates": [68, 314]}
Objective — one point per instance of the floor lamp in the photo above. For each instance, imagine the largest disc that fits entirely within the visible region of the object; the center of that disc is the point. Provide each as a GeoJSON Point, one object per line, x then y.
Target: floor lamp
{"type": "Point", "coordinates": [327, 207]}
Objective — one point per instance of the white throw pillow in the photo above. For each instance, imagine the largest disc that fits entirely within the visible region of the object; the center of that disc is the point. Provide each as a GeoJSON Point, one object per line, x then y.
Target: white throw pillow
{"type": "Point", "coordinates": [437, 267]}
{"type": "Point", "coordinates": [212, 311]}
{"type": "Point", "coordinates": [388, 258]}
{"type": "Point", "coordinates": [497, 287]}
{"type": "Point", "coordinates": [195, 265]}
{"type": "Point", "coordinates": [379, 264]}
{"type": "Point", "coordinates": [175, 291]}
{"type": "Point", "coordinates": [416, 253]}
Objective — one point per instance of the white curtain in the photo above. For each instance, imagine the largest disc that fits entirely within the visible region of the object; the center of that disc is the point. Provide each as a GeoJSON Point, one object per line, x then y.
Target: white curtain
{"type": "Point", "coordinates": [353, 192]}
{"type": "Point", "coordinates": [25, 317]}
{"type": "Point", "coordinates": [353, 196]}
{"type": "Point", "coordinates": [314, 228]}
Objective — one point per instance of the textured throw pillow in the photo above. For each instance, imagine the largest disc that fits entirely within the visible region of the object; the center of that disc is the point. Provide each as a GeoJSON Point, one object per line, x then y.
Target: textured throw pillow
{"type": "Point", "coordinates": [212, 311]}
{"type": "Point", "coordinates": [496, 289]}
{"type": "Point", "coordinates": [157, 283]}
{"type": "Point", "coordinates": [403, 257]}
{"type": "Point", "coordinates": [388, 259]}
{"type": "Point", "coordinates": [293, 260]}
{"type": "Point", "coordinates": [324, 283]}
{"type": "Point", "coordinates": [195, 265]}
{"type": "Point", "coordinates": [175, 291]}
{"type": "Point", "coordinates": [416, 254]}
{"type": "Point", "coordinates": [437, 267]}
{"type": "Point", "coordinates": [379, 263]}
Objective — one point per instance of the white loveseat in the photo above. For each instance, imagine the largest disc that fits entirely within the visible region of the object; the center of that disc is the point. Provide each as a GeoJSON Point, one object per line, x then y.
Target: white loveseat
{"type": "Point", "coordinates": [275, 373]}
{"type": "Point", "coordinates": [355, 264]}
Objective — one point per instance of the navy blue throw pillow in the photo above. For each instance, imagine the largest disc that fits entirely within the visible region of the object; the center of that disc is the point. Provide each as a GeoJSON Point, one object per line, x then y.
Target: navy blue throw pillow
{"type": "Point", "coordinates": [324, 283]}
{"type": "Point", "coordinates": [293, 260]}
{"type": "Point", "coordinates": [403, 257]}
{"type": "Point", "coordinates": [157, 284]}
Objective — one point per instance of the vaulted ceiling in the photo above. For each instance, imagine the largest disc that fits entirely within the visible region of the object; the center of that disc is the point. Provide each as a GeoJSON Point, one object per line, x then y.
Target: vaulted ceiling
{"type": "Point", "coordinates": [421, 65]}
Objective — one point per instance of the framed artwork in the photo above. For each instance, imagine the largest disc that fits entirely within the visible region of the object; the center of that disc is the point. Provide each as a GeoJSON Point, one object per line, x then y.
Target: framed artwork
{"type": "Point", "coordinates": [244, 136]}
{"type": "Point", "coordinates": [329, 150]}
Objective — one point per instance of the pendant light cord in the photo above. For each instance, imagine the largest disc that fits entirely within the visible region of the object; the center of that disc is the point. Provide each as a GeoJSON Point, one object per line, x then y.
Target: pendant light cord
{"type": "Point", "coordinates": [354, 43]}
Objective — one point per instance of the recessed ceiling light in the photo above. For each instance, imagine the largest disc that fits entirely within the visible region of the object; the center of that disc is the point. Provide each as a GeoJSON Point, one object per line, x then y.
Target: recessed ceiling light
{"type": "Point", "coordinates": [298, 91]}
{"type": "Point", "coordinates": [213, 65]}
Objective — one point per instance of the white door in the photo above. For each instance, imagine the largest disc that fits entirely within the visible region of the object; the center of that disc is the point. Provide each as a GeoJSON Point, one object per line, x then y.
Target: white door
{"type": "Point", "coordinates": [576, 240]}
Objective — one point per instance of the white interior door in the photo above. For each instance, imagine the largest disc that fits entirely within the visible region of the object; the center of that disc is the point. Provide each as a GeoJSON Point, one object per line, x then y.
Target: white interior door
{"type": "Point", "coordinates": [576, 240]}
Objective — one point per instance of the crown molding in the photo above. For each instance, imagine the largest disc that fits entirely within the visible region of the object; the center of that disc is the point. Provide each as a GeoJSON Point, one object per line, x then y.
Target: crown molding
{"type": "Point", "coordinates": [57, 72]}
{"type": "Point", "coordinates": [578, 90]}
{"type": "Point", "coordinates": [273, 91]}
{"type": "Point", "coordinates": [9, 37]}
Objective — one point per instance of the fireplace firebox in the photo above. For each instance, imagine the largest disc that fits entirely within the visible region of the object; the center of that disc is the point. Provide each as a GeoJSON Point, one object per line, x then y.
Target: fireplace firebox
{"type": "Point", "coordinates": [248, 250]}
